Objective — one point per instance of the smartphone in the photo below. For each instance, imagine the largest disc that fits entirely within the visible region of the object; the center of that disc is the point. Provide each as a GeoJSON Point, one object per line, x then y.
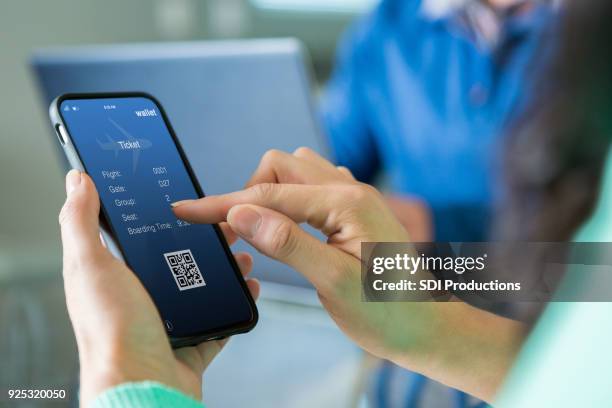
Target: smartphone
{"type": "Point", "coordinates": [125, 143]}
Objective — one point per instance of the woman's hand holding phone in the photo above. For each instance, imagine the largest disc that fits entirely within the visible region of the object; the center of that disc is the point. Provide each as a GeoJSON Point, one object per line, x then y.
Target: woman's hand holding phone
{"type": "Point", "coordinates": [451, 342]}
{"type": "Point", "coordinates": [119, 332]}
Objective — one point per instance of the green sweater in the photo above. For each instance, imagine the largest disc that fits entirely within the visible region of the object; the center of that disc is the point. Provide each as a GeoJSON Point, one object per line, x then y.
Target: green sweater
{"type": "Point", "coordinates": [566, 360]}
{"type": "Point", "coordinates": [145, 394]}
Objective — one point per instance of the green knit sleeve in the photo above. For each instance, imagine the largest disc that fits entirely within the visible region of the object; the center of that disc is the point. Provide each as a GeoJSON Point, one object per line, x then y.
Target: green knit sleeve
{"type": "Point", "coordinates": [145, 394]}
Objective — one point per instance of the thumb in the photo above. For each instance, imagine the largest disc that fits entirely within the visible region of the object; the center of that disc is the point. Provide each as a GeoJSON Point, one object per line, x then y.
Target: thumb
{"type": "Point", "coordinates": [79, 218]}
{"type": "Point", "coordinates": [279, 237]}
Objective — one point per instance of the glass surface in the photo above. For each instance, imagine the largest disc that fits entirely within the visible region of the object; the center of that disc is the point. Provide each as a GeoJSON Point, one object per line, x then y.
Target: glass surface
{"type": "Point", "coordinates": [128, 151]}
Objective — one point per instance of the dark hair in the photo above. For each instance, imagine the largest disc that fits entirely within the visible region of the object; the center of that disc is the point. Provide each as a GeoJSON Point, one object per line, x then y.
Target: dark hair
{"type": "Point", "coordinates": [556, 152]}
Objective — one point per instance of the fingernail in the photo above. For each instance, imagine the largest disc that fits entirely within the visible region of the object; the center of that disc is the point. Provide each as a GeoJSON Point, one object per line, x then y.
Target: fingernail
{"type": "Point", "coordinates": [179, 203]}
{"type": "Point", "coordinates": [244, 220]}
{"type": "Point", "coordinates": [73, 179]}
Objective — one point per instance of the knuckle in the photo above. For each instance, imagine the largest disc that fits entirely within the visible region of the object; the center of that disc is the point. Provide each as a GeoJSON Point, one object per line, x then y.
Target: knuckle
{"type": "Point", "coordinates": [360, 193]}
{"type": "Point", "coordinates": [271, 156]}
{"type": "Point", "coordinates": [359, 201]}
{"type": "Point", "coordinates": [283, 242]}
{"type": "Point", "coordinates": [77, 261]}
{"type": "Point", "coordinates": [369, 189]}
{"type": "Point", "coordinates": [264, 192]}
{"type": "Point", "coordinates": [68, 212]}
{"type": "Point", "coordinates": [87, 259]}
{"type": "Point", "coordinates": [302, 151]}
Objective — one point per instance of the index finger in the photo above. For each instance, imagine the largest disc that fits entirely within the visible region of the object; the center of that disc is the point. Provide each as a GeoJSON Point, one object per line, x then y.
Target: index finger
{"type": "Point", "coordinates": [316, 205]}
{"type": "Point", "coordinates": [303, 167]}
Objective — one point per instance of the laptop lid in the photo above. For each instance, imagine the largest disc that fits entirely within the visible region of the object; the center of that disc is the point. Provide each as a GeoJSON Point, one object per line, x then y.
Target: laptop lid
{"type": "Point", "coordinates": [228, 101]}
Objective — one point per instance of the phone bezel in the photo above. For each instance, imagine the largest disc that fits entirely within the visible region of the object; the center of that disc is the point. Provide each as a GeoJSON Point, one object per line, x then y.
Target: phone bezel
{"type": "Point", "coordinates": [209, 334]}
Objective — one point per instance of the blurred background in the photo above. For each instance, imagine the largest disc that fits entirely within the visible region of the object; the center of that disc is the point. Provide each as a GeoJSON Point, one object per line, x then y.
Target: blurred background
{"type": "Point", "coordinates": [28, 25]}
{"type": "Point", "coordinates": [296, 357]}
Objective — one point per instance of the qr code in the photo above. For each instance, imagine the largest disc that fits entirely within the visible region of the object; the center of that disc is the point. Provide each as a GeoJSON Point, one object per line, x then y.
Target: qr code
{"type": "Point", "coordinates": [183, 266]}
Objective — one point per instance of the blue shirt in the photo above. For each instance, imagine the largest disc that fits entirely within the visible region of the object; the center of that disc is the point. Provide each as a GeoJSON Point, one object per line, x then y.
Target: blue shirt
{"type": "Point", "coordinates": [417, 97]}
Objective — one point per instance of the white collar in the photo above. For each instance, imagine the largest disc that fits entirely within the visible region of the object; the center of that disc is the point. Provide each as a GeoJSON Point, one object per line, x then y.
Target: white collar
{"type": "Point", "coordinates": [484, 22]}
{"type": "Point", "coordinates": [435, 9]}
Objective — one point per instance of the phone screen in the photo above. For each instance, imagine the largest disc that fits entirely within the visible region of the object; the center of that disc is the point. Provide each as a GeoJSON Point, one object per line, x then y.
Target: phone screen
{"type": "Point", "coordinates": [129, 152]}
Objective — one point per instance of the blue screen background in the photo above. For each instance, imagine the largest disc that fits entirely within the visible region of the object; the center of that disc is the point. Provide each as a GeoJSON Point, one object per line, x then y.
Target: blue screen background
{"type": "Point", "coordinates": [96, 127]}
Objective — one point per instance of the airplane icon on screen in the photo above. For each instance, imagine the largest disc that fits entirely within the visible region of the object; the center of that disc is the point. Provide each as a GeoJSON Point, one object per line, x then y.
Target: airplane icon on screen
{"type": "Point", "coordinates": [116, 146]}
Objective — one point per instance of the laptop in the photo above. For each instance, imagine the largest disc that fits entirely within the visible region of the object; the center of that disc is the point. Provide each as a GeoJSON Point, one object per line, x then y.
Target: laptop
{"type": "Point", "coordinates": [228, 101]}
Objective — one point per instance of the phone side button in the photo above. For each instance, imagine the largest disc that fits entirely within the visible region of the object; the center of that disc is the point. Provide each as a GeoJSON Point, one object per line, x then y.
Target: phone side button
{"type": "Point", "coordinates": [169, 326]}
{"type": "Point", "coordinates": [61, 134]}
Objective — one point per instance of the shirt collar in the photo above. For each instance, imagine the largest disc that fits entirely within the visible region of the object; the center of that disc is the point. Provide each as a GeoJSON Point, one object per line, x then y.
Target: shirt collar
{"type": "Point", "coordinates": [438, 9]}
{"type": "Point", "coordinates": [481, 23]}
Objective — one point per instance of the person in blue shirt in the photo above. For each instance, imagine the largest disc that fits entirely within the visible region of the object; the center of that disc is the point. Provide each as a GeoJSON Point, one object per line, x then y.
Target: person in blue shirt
{"type": "Point", "coordinates": [423, 90]}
